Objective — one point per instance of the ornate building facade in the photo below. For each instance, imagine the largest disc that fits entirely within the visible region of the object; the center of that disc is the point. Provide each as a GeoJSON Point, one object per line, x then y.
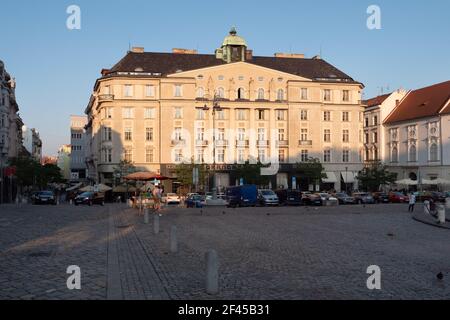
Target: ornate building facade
{"type": "Point", "coordinates": [156, 110]}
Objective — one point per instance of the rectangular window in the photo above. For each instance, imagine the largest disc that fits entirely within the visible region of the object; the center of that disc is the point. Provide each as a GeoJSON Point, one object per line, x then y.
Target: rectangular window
{"type": "Point", "coordinates": [262, 155]}
{"type": "Point", "coordinates": [345, 116]}
{"type": "Point", "coordinates": [107, 134]}
{"type": "Point", "coordinates": [346, 156]}
{"type": "Point", "coordinates": [280, 115]}
{"type": "Point", "coordinates": [149, 134]}
{"type": "Point", "coordinates": [220, 115]}
{"type": "Point", "coordinates": [128, 113]}
{"type": "Point", "coordinates": [281, 135]}
{"type": "Point", "coordinates": [345, 95]}
{"type": "Point", "coordinates": [128, 90]}
{"type": "Point", "coordinates": [200, 114]}
{"type": "Point", "coordinates": [345, 136]}
{"type": "Point", "coordinates": [221, 135]}
{"type": "Point", "coordinates": [199, 156]}
{"type": "Point", "coordinates": [304, 156]}
{"type": "Point", "coordinates": [304, 94]}
{"type": "Point", "coordinates": [375, 120]}
{"type": "Point", "coordinates": [149, 113]}
{"type": "Point", "coordinates": [327, 95]}
{"type": "Point", "coordinates": [128, 134]}
{"type": "Point", "coordinates": [178, 134]}
{"type": "Point", "coordinates": [179, 156]}
{"type": "Point", "coordinates": [260, 115]}
{"type": "Point", "coordinates": [128, 155]}
{"type": "Point", "coordinates": [327, 156]}
{"type": "Point", "coordinates": [241, 155]}
{"type": "Point", "coordinates": [367, 138]}
{"type": "Point", "coordinates": [281, 156]}
{"type": "Point", "coordinates": [261, 134]}
{"type": "Point", "coordinates": [149, 91]}
{"type": "Point", "coordinates": [241, 134]}
{"type": "Point", "coordinates": [375, 137]}
{"type": "Point", "coordinates": [178, 113]}
{"type": "Point", "coordinates": [327, 116]}
{"type": "Point", "coordinates": [178, 90]}
{"type": "Point", "coordinates": [304, 115]}
{"type": "Point", "coordinates": [109, 113]}
{"type": "Point", "coordinates": [149, 155]}
{"type": "Point", "coordinates": [108, 155]}
{"type": "Point", "coordinates": [304, 134]}
{"type": "Point", "coordinates": [327, 135]}
{"type": "Point", "coordinates": [366, 122]}
{"type": "Point", "coordinates": [221, 155]}
{"type": "Point", "coordinates": [200, 134]}
{"type": "Point", "coordinates": [241, 114]}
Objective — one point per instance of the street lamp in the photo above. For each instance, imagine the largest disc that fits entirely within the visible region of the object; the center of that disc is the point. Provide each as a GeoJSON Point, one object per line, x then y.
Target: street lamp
{"type": "Point", "coordinates": [216, 108]}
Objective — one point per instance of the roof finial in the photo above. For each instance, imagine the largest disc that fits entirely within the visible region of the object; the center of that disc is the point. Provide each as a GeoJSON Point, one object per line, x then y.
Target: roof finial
{"type": "Point", "coordinates": [233, 31]}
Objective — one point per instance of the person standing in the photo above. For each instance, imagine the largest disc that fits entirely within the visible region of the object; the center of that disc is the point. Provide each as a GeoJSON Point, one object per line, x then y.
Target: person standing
{"type": "Point", "coordinates": [412, 202]}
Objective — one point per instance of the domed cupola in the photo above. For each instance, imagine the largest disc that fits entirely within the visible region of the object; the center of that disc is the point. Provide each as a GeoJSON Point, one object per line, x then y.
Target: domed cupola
{"type": "Point", "coordinates": [233, 48]}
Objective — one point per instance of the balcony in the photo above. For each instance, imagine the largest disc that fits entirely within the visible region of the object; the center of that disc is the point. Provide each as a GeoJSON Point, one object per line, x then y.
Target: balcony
{"type": "Point", "coordinates": [105, 97]}
{"type": "Point", "coordinates": [221, 143]}
{"type": "Point", "coordinates": [282, 144]}
{"type": "Point", "coordinates": [201, 143]}
{"type": "Point", "coordinates": [177, 142]}
{"type": "Point", "coordinates": [262, 143]}
{"type": "Point", "coordinates": [303, 143]}
{"type": "Point", "coordinates": [242, 143]}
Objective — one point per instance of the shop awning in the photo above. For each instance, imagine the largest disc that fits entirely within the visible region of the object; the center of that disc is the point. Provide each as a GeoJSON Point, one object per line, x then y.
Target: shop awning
{"type": "Point", "coordinates": [75, 187]}
{"type": "Point", "coordinates": [348, 176]}
{"type": "Point", "coordinates": [331, 178]}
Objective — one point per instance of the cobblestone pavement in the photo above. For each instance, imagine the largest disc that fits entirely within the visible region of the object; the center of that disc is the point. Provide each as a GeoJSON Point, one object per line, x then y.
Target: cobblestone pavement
{"type": "Point", "coordinates": [264, 253]}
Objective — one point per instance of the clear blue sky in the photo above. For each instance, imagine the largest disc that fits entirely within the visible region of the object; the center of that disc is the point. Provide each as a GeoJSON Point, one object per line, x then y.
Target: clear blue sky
{"type": "Point", "coordinates": [56, 68]}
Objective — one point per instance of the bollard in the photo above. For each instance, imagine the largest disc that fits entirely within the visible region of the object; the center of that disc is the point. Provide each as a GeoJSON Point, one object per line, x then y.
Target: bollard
{"type": "Point", "coordinates": [173, 240]}
{"type": "Point", "coordinates": [447, 203]}
{"type": "Point", "coordinates": [146, 215]}
{"type": "Point", "coordinates": [426, 207]}
{"type": "Point", "coordinates": [441, 214]}
{"type": "Point", "coordinates": [212, 272]}
{"type": "Point", "coordinates": [156, 224]}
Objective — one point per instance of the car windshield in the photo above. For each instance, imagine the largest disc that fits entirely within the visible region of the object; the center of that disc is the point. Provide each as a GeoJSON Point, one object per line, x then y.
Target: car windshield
{"type": "Point", "coordinates": [341, 195]}
{"type": "Point", "coordinates": [267, 193]}
{"type": "Point", "coordinates": [86, 194]}
{"type": "Point", "coordinates": [46, 193]}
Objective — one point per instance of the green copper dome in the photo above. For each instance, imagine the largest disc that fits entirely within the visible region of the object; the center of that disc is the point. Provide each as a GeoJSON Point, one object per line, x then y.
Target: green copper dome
{"type": "Point", "coordinates": [233, 39]}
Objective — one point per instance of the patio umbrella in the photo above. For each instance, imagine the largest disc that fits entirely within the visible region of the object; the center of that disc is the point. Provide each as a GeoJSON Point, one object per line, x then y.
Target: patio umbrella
{"type": "Point", "coordinates": [145, 176]}
{"type": "Point", "coordinates": [407, 182]}
{"type": "Point", "coordinates": [101, 188]}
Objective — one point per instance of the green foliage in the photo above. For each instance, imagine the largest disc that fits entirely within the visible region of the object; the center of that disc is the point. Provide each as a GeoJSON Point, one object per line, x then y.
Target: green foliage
{"type": "Point", "coordinates": [123, 169]}
{"type": "Point", "coordinates": [375, 175]}
{"type": "Point", "coordinates": [251, 173]}
{"type": "Point", "coordinates": [184, 172]}
{"type": "Point", "coordinates": [30, 173]}
{"type": "Point", "coordinates": [311, 170]}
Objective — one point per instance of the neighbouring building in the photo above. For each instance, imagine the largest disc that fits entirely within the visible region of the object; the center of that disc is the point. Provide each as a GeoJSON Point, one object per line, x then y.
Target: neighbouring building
{"type": "Point", "coordinates": [376, 111]}
{"type": "Point", "coordinates": [417, 135]}
{"type": "Point", "coordinates": [63, 161]}
{"type": "Point", "coordinates": [32, 143]}
{"type": "Point", "coordinates": [149, 108]}
{"type": "Point", "coordinates": [78, 146]}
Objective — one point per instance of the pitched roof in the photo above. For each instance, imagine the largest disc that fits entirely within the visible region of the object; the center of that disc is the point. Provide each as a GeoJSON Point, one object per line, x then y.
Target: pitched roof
{"type": "Point", "coordinates": [376, 101]}
{"type": "Point", "coordinates": [424, 102]}
{"type": "Point", "coordinates": [169, 63]}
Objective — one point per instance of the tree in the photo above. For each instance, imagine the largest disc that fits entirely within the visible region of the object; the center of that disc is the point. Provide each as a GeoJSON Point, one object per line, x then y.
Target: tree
{"type": "Point", "coordinates": [123, 169]}
{"type": "Point", "coordinates": [49, 173]}
{"type": "Point", "coordinates": [184, 172]}
{"type": "Point", "coordinates": [251, 173]}
{"type": "Point", "coordinates": [375, 175]}
{"type": "Point", "coordinates": [311, 170]}
{"type": "Point", "coordinates": [30, 173]}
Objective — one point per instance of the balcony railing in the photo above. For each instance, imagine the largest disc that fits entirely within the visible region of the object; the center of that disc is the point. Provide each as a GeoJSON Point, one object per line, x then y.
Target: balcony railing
{"type": "Point", "coordinates": [305, 142]}
{"type": "Point", "coordinates": [201, 143]}
{"type": "Point", "coordinates": [282, 143]}
{"type": "Point", "coordinates": [221, 143]}
{"type": "Point", "coordinates": [262, 143]}
{"type": "Point", "coordinates": [242, 143]}
{"type": "Point", "coordinates": [178, 142]}
{"type": "Point", "coordinates": [105, 97]}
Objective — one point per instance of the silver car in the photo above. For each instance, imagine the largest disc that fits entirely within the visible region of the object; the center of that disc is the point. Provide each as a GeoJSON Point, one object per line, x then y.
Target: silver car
{"type": "Point", "coordinates": [268, 198]}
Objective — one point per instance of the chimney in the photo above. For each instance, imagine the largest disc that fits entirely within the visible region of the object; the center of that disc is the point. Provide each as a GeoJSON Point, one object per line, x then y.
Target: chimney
{"type": "Point", "coordinates": [317, 57]}
{"type": "Point", "coordinates": [104, 72]}
{"type": "Point", "coordinates": [184, 51]}
{"type": "Point", "coordinates": [248, 54]}
{"type": "Point", "coordinates": [137, 49]}
{"type": "Point", "coordinates": [290, 55]}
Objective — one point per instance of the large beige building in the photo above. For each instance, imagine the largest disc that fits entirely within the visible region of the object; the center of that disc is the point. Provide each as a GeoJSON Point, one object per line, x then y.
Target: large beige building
{"type": "Point", "coordinates": [150, 109]}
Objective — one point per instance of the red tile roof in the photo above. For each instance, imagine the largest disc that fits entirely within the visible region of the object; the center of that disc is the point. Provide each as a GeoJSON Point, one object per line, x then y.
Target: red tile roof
{"type": "Point", "coordinates": [376, 101]}
{"type": "Point", "coordinates": [425, 102]}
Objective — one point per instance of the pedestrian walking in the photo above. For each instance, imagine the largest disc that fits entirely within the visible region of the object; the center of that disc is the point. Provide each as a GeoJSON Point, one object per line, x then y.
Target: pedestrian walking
{"type": "Point", "coordinates": [412, 202]}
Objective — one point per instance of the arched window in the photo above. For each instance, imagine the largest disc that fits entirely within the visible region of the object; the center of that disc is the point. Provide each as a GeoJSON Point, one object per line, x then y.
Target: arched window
{"type": "Point", "coordinates": [241, 93]}
{"type": "Point", "coordinates": [261, 94]}
{"type": "Point", "coordinates": [221, 93]}
{"type": "Point", "coordinates": [200, 92]}
{"type": "Point", "coordinates": [413, 153]}
{"type": "Point", "coordinates": [434, 152]}
{"type": "Point", "coordinates": [280, 95]}
{"type": "Point", "coordinates": [394, 156]}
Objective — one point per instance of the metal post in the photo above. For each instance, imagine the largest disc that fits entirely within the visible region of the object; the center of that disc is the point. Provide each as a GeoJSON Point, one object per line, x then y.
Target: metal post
{"type": "Point", "coordinates": [212, 272]}
{"type": "Point", "coordinates": [2, 178]}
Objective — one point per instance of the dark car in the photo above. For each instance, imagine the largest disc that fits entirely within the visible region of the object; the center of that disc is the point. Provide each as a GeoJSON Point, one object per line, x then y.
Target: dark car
{"type": "Point", "coordinates": [195, 201]}
{"type": "Point", "coordinates": [422, 196]}
{"type": "Point", "coordinates": [242, 196]}
{"type": "Point", "coordinates": [344, 198]}
{"type": "Point", "coordinates": [309, 199]}
{"type": "Point", "coordinates": [381, 197]}
{"type": "Point", "coordinates": [90, 198]}
{"type": "Point", "coordinates": [289, 197]}
{"type": "Point", "coordinates": [398, 197]}
{"type": "Point", "coordinates": [363, 198]}
{"type": "Point", "coordinates": [44, 197]}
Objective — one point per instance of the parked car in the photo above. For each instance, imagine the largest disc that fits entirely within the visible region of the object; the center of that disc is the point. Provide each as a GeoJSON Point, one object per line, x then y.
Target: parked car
{"type": "Point", "coordinates": [309, 199]}
{"type": "Point", "coordinates": [289, 197]}
{"type": "Point", "coordinates": [195, 201]}
{"type": "Point", "coordinates": [242, 196]}
{"type": "Point", "coordinates": [43, 197]}
{"type": "Point", "coordinates": [363, 198]}
{"type": "Point", "coordinates": [172, 198]}
{"type": "Point", "coordinates": [344, 198]}
{"type": "Point", "coordinates": [398, 197]}
{"type": "Point", "coordinates": [422, 196]}
{"type": "Point", "coordinates": [380, 197]}
{"type": "Point", "coordinates": [268, 197]}
{"type": "Point", "coordinates": [90, 198]}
